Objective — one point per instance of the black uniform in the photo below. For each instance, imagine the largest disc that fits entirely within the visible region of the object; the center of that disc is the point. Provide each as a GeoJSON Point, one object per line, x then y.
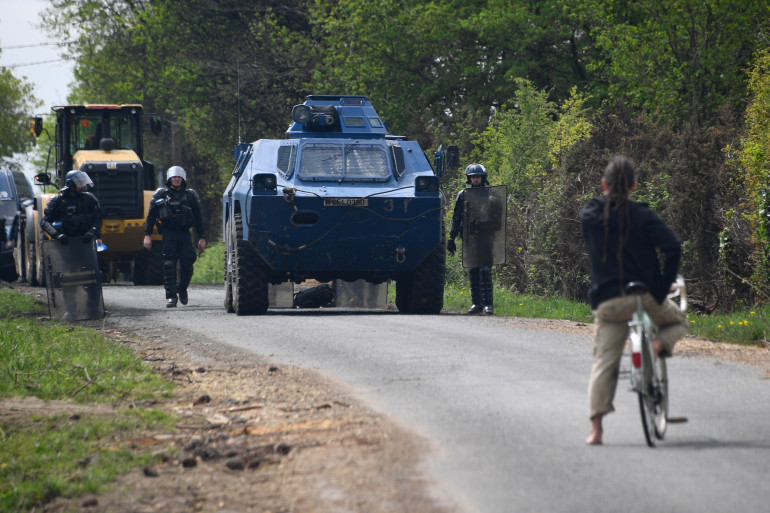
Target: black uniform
{"type": "Point", "coordinates": [73, 216]}
{"type": "Point", "coordinates": [482, 292]}
{"type": "Point", "coordinates": [175, 211]}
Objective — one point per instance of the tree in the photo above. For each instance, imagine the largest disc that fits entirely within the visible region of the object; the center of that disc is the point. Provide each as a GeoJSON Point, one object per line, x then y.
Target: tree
{"type": "Point", "coordinates": [16, 103]}
{"type": "Point", "coordinates": [217, 71]}
{"type": "Point", "coordinates": [754, 160]}
{"type": "Point", "coordinates": [682, 59]}
{"type": "Point", "coordinates": [440, 70]}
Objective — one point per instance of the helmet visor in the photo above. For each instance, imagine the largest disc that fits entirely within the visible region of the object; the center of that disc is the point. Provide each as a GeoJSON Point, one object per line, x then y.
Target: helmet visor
{"type": "Point", "coordinates": [81, 180]}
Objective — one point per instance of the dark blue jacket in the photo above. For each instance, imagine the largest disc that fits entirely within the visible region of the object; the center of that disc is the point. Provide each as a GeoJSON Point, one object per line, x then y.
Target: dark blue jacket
{"type": "Point", "coordinates": [648, 234]}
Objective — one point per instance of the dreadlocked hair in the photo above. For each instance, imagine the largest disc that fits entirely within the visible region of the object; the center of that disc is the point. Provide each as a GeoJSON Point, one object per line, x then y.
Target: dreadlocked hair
{"type": "Point", "coordinates": [619, 178]}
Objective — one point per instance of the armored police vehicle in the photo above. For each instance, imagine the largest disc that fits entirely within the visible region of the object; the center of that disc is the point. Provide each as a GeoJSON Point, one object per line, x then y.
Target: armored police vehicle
{"type": "Point", "coordinates": [340, 199]}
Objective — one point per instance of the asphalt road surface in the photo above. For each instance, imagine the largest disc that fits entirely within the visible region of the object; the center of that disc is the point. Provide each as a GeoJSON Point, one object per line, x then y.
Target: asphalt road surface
{"type": "Point", "coordinates": [507, 407]}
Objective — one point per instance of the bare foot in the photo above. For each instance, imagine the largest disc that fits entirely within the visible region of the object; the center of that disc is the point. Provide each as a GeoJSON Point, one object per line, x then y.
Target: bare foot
{"type": "Point", "coordinates": [657, 347]}
{"type": "Point", "coordinates": [595, 438]}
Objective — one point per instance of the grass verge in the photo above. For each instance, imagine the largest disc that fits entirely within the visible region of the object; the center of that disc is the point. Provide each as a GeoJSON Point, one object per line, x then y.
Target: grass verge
{"type": "Point", "coordinates": [509, 304]}
{"type": "Point", "coordinates": [209, 268]}
{"type": "Point", "coordinates": [64, 455]}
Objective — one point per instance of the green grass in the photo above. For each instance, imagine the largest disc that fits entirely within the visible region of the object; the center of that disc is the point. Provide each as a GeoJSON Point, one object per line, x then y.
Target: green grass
{"type": "Point", "coordinates": [519, 305]}
{"type": "Point", "coordinates": [54, 361]}
{"type": "Point", "coordinates": [46, 458]}
{"type": "Point", "coordinates": [50, 360]}
{"type": "Point", "coordinates": [751, 327]}
{"type": "Point", "coordinates": [209, 268]}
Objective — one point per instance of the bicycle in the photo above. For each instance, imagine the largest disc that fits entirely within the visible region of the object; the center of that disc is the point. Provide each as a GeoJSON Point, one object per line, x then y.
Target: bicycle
{"type": "Point", "coordinates": [649, 376]}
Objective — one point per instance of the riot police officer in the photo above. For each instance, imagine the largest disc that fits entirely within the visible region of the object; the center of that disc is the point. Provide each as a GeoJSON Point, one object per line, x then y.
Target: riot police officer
{"type": "Point", "coordinates": [74, 211]}
{"type": "Point", "coordinates": [175, 209]}
{"type": "Point", "coordinates": [480, 276]}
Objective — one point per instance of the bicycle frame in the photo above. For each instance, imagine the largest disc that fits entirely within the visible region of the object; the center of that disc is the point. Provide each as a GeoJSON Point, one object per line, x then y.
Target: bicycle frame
{"type": "Point", "coordinates": [649, 375]}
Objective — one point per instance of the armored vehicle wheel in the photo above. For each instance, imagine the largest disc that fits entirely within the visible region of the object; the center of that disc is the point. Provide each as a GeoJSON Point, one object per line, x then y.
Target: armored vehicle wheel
{"type": "Point", "coordinates": [228, 267]}
{"type": "Point", "coordinates": [422, 291]}
{"type": "Point", "coordinates": [249, 277]}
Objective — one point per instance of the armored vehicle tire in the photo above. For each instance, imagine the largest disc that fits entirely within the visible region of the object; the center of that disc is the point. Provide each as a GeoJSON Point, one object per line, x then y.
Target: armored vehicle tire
{"type": "Point", "coordinates": [249, 281]}
{"type": "Point", "coordinates": [314, 297]}
{"type": "Point", "coordinates": [422, 291]}
{"type": "Point", "coordinates": [249, 276]}
{"type": "Point", "coordinates": [228, 237]}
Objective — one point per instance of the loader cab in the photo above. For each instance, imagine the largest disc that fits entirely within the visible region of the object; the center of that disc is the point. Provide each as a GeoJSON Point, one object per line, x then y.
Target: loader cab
{"type": "Point", "coordinates": [103, 128]}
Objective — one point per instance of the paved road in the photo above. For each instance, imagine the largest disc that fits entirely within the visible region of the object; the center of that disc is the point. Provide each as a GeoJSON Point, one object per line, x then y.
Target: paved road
{"type": "Point", "coordinates": [507, 406]}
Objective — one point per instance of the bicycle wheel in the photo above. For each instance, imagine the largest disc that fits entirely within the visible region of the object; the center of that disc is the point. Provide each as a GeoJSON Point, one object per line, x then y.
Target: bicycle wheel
{"type": "Point", "coordinates": [661, 398]}
{"type": "Point", "coordinates": [647, 394]}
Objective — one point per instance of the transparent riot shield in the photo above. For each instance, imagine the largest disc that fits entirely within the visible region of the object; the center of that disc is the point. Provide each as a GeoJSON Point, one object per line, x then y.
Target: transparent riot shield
{"type": "Point", "coordinates": [73, 280]}
{"type": "Point", "coordinates": [484, 213]}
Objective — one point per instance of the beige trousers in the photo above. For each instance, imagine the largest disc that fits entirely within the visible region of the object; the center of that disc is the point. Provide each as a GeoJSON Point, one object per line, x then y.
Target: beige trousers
{"type": "Point", "coordinates": [610, 334]}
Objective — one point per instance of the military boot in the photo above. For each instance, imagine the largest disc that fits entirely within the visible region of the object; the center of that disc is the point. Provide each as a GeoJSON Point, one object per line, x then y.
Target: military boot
{"type": "Point", "coordinates": [487, 291]}
{"type": "Point", "coordinates": [478, 303]}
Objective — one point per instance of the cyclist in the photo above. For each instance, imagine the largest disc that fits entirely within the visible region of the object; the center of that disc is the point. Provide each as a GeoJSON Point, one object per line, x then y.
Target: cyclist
{"type": "Point", "coordinates": [623, 238]}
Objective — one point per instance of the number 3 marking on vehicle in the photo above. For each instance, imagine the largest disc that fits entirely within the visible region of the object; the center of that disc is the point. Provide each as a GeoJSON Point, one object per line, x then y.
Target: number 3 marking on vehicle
{"type": "Point", "coordinates": [389, 205]}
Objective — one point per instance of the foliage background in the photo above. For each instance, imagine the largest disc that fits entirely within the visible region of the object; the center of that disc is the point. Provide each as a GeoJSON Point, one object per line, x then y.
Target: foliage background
{"type": "Point", "coordinates": [542, 92]}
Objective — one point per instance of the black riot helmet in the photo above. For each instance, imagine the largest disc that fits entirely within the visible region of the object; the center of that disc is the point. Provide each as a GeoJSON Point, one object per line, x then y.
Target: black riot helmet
{"type": "Point", "coordinates": [475, 170]}
{"type": "Point", "coordinates": [77, 179]}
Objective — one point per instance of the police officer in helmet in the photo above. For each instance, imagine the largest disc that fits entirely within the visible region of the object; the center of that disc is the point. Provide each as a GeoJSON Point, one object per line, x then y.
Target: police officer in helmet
{"type": "Point", "coordinates": [74, 211]}
{"type": "Point", "coordinates": [175, 209]}
{"type": "Point", "coordinates": [480, 277]}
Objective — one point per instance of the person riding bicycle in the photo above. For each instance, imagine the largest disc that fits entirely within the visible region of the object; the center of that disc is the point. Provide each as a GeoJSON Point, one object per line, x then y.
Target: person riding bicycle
{"type": "Point", "coordinates": [623, 238]}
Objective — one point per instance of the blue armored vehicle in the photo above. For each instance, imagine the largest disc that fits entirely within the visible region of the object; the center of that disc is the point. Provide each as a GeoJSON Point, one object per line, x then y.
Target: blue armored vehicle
{"type": "Point", "coordinates": [340, 199]}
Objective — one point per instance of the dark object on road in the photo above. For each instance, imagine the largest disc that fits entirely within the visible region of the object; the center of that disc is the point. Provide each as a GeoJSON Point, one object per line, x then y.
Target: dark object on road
{"type": "Point", "coordinates": [314, 297]}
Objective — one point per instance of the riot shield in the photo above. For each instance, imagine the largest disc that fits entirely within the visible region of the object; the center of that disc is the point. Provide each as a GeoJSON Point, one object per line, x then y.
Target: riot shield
{"type": "Point", "coordinates": [73, 280]}
{"type": "Point", "coordinates": [484, 213]}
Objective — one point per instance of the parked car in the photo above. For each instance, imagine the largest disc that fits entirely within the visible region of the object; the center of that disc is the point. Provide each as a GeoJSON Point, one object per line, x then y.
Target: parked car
{"type": "Point", "coordinates": [16, 197]}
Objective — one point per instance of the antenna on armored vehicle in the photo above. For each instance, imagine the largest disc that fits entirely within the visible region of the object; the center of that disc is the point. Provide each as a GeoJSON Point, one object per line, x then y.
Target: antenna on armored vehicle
{"type": "Point", "coordinates": [238, 100]}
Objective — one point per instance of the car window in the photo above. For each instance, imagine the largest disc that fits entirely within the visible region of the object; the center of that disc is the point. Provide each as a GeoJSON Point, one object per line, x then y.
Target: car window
{"type": "Point", "coordinates": [6, 193]}
{"type": "Point", "coordinates": [23, 189]}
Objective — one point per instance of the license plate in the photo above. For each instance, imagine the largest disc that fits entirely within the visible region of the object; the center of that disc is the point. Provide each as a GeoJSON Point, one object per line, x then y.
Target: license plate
{"type": "Point", "coordinates": [346, 202]}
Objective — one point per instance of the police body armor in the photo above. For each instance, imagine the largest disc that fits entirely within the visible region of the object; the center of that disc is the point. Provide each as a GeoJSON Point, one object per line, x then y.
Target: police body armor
{"type": "Point", "coordinates": [484, 213]}
{"type": "Point", "coordinates": [73, 280]}
{"type": "Point", "coordinates": [174, 210]}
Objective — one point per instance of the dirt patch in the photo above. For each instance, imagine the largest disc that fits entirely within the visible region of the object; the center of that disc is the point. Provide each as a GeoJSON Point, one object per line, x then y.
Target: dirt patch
{"type": "Point", "coordinates": [259, 437]}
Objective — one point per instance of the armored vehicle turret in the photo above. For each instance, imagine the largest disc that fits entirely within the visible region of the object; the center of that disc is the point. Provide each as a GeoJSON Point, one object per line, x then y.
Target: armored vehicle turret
{"type": "Point", "coordinates": [339, 199]}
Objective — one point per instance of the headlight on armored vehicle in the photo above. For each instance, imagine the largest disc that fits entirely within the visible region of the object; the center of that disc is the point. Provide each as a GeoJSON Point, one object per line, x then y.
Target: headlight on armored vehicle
{"type": "Point", "coordinates": [426, 185]}
{"type": "Point", "coordinates": [301, 114]}
{"type": "Point", "coordinates": [263, 182]}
